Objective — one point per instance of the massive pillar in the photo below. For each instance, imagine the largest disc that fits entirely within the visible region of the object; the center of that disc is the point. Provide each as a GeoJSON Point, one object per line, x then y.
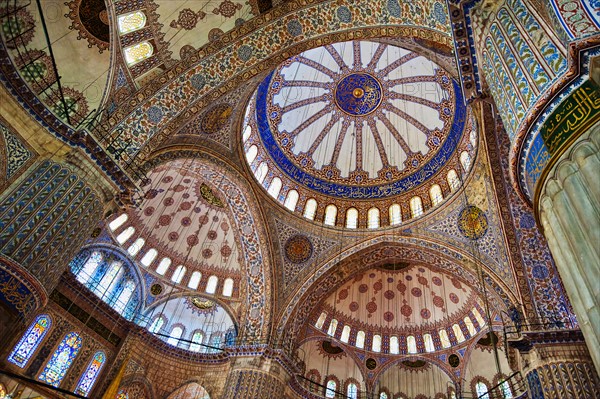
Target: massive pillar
{"type": "Point", "coordinates": [556, 365]}
{"type": "Point", "coordinates": [569, 211]}
{"type": "Point", "coordinates": [45, 216]}
{"type": "Point", "coordinates": [261, 374]}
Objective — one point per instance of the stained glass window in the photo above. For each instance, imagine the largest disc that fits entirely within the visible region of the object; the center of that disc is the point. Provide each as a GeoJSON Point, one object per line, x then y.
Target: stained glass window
{"type": "Point", "coordinates": [122, 395]}
{"type": "Point", "coordinates": [91, 374]}
{"type": "Point", "coordinates": [131, 22]}
{"type": "Point", "coordinates": [331, 387]}
{"type": "Point", "coordinates": [482, 390]}
{"type": "Point", "coordinates": [157, 324]}
{"type": "Point", "coordinates": [30, 341]}
{"type": "Point", "coordinates": [109, 280]}
{"type": "Point", "coordinates": [352, 391]}
{"type": "Point", "coordinates": [3, 392]}
{"type": "Point", "coordinates": [61, 360]}
{"type": "Point", "coordinates": [89, 268]}
{"type": "Point", "coordinates": [124, 296]}
{"type": "Point", "coordinates": [138, 52]}
{"type": "Point", "coordinates": [383, 395]}
{"type": "Point", "coordinates": [196, 339]}
{"type": "Point", "coordinates": [506, 391]}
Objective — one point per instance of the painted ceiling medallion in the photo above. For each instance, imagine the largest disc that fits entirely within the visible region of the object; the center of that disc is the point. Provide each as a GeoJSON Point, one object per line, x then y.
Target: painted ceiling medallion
{"type": "Point", "coordinates": [359, 120]}
{"type": "Point", "coordinates": [472, 222]}
{"type": "Point", "coordinates": [90, 18]}
{"type": "Point", "coordinates": [358, 94]}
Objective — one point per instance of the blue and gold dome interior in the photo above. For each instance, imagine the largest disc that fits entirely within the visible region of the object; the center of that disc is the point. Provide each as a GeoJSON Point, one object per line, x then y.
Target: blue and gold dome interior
{"type": "Point", "coordinates": [354, 122]}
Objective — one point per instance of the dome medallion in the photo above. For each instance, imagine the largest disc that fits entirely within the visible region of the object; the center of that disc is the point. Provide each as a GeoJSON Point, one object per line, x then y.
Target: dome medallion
{"type": "Point", "coordinates": [358, 94]}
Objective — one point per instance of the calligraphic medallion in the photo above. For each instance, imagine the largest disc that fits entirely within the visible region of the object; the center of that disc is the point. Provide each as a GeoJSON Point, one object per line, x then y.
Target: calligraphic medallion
{"type": "Point", "coordinates": [358, 94]}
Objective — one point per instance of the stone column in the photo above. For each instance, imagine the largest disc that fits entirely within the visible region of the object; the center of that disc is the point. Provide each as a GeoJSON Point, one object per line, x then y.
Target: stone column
{"type": "Point", "coordinates": [569, 211]}
{"type": "Point", "coordinates": [556, 366]}
{"type": "Point", "coordinates": [45, 216]}
{"type": "Point", "coordinates": [257, 376]}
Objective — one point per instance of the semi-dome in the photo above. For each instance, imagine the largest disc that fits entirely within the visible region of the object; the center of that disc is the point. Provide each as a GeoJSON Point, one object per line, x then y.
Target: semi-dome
{"type": "Point", "coordinates": [357, 122]}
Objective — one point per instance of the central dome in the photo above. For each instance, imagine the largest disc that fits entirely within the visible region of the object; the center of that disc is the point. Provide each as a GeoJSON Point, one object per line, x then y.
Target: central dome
{"type": "Point", "coordinates": [355, 121]}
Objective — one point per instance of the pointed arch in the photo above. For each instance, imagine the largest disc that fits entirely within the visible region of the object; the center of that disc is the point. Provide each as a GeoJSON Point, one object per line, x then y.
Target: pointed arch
{"type": "Point", "coordinates": [61, 360]}
{"type": "Point", "coordinates": [30, 341]}
{"type": "Point", "coordinates": [89, 377]}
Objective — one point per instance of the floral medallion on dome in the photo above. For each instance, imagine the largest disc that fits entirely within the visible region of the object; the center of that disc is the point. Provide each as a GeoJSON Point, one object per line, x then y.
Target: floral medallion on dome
{"type": "Point", "coordinates": [298, 249]}
{"type": "Point", "coordinates": [359, 120]}
{"type": "Point", "coordinates": [90, 19]}
{"type": "Point", "coordinates": [472, 222]}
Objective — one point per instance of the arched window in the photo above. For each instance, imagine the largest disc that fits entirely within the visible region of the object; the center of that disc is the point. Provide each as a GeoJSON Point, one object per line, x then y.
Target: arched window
{"type": "Point", "coordinates": [416, 206]}
{"type": "Point", "coordinates": [89, 268]}
{"type": "Point", "coordinates": [196, 341]}
{"type": "Point", "coordinates": [157, 324]}
{"type": "Point", "coordinates": [332, 327]}
{"type": "Point", "coordinates": [215, 342]}
{"type": "Point", "coordinates": [453, 180]}
{"type": "Point", "coordinates": [330, 389]}
{"type": "Point", "coordinates": [174, 336]}
{"type": "Point", "coordinates": [435, 194]}
{"type": "Point", "coordinates": [29, 342]}
{"type": "Point", "coordinates": [131, 22]}
{"type": "Point", "coordinates": [275, 187]}
{"type": "Point", "coordinates": [376, 346]}
{"type": "Point", "coordinates": [251, 154]}
{"type": "Point", "coordinates": [178, 274]}
{"type": "Point", "coordinates": [149, 257]}
{"type": "Point", "coordinates": [373, 218]}
{"type": "Point", "coordinates": [458, 333]}
{"type": "Point", "coordinates": [394, 345]}
{"type": "Point", "coordinates": [291, 200]}
{"type": "Point", "coordinates": [261, 172]}
{"type": "Point", "coordinates": [395, 214]}
{"type": "Point", "coordinates": [470, 326]}
{"type": "Point", "coordinates": [506, 390]}
{"type": "Point", "coordinates": [445, 341]}
{"type": "Point", "coordinates": [411, 343]}
{"type": "Point", "coordinates": [194, 280]}
{"type": "Point", "coordinates": [228, 287]}
{"type": "Point", "coordinates": [61, 360]}
{"type": "Point", "coordinates": [352, 218]}
{"type": "Point", "coordinates": [138, 52]}
{"type": "Point", "coordinates": [87, 380]}
{"type": "Point", "coordinates": [352, 391]}
{"type": "Point", "coordinates": [136, 246]}
{"type": "Point", "coordinates": [163, 266]}
{"type": "Point", "coordinates": [109, 280]}
{"type": "Point", "coordinates": [330, 215]}
{"type": "Point", "coordinates": [211, 285]}
{"type": "Point", "coordinates": [360, 339]}
{"type": "Point", "coordinates": [310, 209]}
{"type": "Point", "coordinates": [479, 317]}
{"type": "Point", "coordinates": [124, 296]}
{"type": "Point", "coordinates": [345, 334]}
{"type": "Point", "coordinates": [482, 390]}
{"type": "Point", "coordinates": [247, 132]}
{"type": "Point", "coordinates": [465, 160]}
{"type": "Point", "coordinates": [125, 235]}
{"type": "Point", "coordinates": [428, 341]}
{"type": "Point", "coordinates": [118, 222]}
{"type": "Point", "coordinates": [321, 320]}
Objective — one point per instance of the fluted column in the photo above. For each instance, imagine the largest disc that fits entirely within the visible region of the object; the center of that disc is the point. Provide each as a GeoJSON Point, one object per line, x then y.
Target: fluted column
{"type": "Point", "coordinates": [560, 371]}
{"type": "Point", "coordinates": [569, 211]}
{"type": "Point", "coordinates": [45, 216]}
{"type": "Point", "coordinates": [258, 376]}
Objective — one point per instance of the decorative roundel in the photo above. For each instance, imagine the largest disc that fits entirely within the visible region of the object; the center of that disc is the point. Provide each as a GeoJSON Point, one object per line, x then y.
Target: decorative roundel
{"type": "Point", "coordinates": [371, 363]}
{"type": "Point", "coordinates": [358, 94]}
{"type": "Point", "coordinates": [298, 249]}
{"type": "Point", "coordinates": [453, 360]}
{"type": "Point", "coordinates": [215, 118]}
{"type": "Point", "coordinates": [156, 289]}
{"type": "Point", "coordinates": [472, 222]}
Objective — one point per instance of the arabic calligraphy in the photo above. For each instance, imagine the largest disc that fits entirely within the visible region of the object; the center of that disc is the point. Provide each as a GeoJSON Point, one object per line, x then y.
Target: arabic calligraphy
{"type": "Point", "coordinates": [358, 94]}
{"type": "Point", "coordinates": [573, 115]}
